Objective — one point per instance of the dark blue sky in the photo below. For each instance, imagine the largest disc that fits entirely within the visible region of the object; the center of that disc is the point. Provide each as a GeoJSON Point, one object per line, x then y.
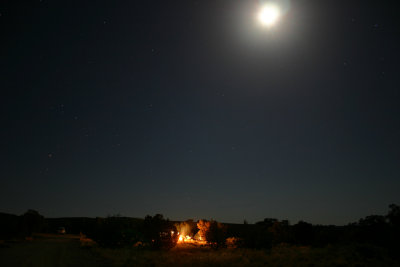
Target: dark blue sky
{"type": "Point", "coordinates": [192, 110]}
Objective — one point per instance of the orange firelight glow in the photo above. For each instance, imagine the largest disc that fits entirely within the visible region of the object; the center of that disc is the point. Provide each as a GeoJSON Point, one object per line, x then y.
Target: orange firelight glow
{"type": "Point", "coordinates": [183, 238]}
{"type": "Point", "coordinates": [188, 239]}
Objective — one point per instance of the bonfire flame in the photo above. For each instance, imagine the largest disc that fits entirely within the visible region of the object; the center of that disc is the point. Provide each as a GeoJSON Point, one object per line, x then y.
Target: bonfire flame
{"type": "Point", "coordinates": [186, 233]}
{"type": "Point", "coordinates": [183, 238]}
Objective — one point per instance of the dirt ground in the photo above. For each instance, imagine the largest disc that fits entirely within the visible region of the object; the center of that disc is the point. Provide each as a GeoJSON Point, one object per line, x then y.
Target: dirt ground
{"type": "Point", "coordinates": [48, 250]}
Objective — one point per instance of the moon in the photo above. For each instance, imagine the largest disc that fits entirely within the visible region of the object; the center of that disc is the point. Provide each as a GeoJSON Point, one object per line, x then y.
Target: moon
{"type": "Point", "coordinates": [269, 15]}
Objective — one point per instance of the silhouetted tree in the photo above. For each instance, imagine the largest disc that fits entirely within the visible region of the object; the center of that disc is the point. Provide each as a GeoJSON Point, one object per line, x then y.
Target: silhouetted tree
{"type": "Point", "coordinates": [31, 221]}
{"type": "Point", "coordinates": [159, 232]}
{"type": "Point", "coordinates": [259, 235]}
{"type": "Point", "coordinates": [267, 222]}
{"type": "Point", "coordinates": [216, 234]}
{"type": "Point", "coordinates": [328, 235]}
{"type": "Point", "coordinates": [393, 218]}
{"type": "Point", "coordinates": [375, 221]}
{"type": "Point", "coordinates": [280, 232]}
{"type": "Point", "coordinates": [213, 232]}
{"type": "Point", "coordinates": [303, 233]}
{"type": "Point", "coordinates": [394, 215]}
{"type": "Point", "coordinates": [373, 229]}
{"type": "Point", "coordinates": [114, 232]}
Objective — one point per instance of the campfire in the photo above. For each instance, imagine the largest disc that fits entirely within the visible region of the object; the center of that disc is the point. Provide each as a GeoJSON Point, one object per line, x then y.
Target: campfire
{"type": "Point", "coordinates": [186, 239]}
{"type": "Point", "coordinates": [183, 238]}
{"type": "Point", "coordinates": [188, 235]}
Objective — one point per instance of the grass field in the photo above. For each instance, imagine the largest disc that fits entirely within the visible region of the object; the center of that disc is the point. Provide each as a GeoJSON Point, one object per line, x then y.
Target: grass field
{"type": "Point", "coordinates": [48, 250]}
{"type": "Point", "coordinates": [74, 250]}
{"type": "Point", "coordinates": [184, 255]}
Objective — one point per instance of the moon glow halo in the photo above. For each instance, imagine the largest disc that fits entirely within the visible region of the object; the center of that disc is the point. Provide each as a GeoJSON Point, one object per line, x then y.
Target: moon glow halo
{"type": "Point", "coordinates": [269, 15]}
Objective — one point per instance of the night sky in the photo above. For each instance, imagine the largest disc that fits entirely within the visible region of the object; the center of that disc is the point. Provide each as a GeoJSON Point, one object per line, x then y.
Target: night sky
{"type": "Point", "coordinates": [192, 109]}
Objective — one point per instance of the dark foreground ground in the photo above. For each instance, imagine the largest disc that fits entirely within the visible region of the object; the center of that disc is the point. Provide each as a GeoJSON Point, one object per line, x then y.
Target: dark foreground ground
{"type": "Point", "coordinates": [282, 255]}
{"type": "Point", "coordinates": [48, 251]}
{"type": "Point", "coordinates": [71, 250]}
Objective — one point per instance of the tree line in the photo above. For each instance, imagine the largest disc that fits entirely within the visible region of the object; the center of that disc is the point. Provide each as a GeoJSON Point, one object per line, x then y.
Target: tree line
{"type": "Point", "coordinates": [157, 232]}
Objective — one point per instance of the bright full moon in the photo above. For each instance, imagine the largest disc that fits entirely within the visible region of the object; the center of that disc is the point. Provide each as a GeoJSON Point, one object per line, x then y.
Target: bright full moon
{"type": "Point", "coordinates": [269, 14]}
